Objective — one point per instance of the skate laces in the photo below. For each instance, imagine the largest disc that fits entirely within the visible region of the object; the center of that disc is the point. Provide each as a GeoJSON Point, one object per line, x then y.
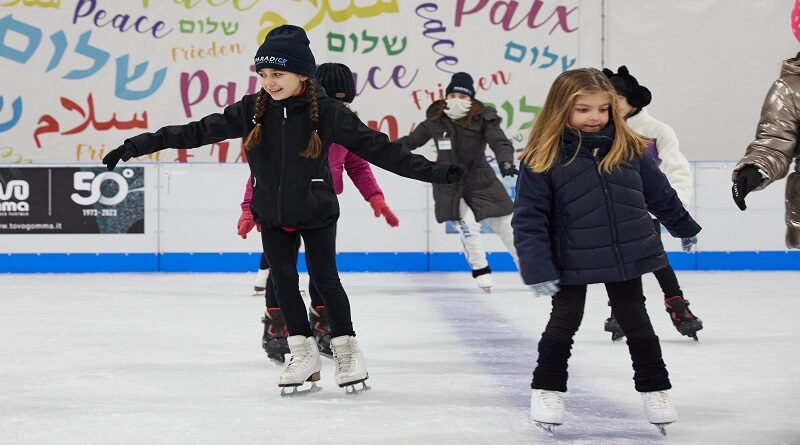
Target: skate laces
{"type": "Point", "coordinates": [657, 400]}
{"type": "Point", "coordinates": [344, 356]}
{"type": "Point", "coordinates": [299, 358]}
{"type": "Point", "coordinates": [551, 399]}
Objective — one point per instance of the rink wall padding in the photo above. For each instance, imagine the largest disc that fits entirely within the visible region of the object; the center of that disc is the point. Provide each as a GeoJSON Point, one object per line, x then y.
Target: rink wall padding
{"type": "Point", "coordinates": [182, 218]}
{"type": "Point", "coordinates": [351, 262]}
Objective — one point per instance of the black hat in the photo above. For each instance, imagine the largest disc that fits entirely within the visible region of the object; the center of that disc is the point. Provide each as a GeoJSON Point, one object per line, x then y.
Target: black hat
{"type": "Point", "coordinates": [286, 48]}
{"type": "Point", "coordinates": [461, 83]}
{"type": "Point", "coordinates": [626, 85]}
{"type": "Point", "coordinates": [337, 79]}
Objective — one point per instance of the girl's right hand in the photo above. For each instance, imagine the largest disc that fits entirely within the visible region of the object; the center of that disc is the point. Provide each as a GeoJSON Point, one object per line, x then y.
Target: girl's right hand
{"type": "Point", "coordinates": [123, 152]}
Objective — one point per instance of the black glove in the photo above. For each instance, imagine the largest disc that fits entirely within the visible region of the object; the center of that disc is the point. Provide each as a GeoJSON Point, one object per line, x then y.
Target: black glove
{"type": "Point", "coordinates": [123, 152]}
{"type": "Point", "coordinates": [747, 179]}
{"type": "Point", "coordinates": [508, 169]}
{"type": "Point", "coordinates": [454, 173]}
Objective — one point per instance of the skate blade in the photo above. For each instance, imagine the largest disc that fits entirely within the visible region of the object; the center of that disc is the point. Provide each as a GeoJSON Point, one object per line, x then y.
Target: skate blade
{"type": "Point", "coordinates": [549, 428]}
{"type": "Point", "coordinates": [294, 391]}
{"type": "Point", "coordinates": [488, 290]}
{"type": "Point", "coordinates": [662, 428]}
{"type": "Point", "coordinates": [278, 360]}
{"type": "Point", "coordinates": [351, 389]}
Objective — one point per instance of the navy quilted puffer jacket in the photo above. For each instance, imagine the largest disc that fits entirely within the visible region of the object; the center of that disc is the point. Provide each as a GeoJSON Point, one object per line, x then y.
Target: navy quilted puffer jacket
{"type": "Point", "coordinates": [583, 226]}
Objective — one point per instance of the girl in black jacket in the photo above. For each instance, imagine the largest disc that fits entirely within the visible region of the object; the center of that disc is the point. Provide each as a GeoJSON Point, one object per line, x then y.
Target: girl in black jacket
{"type": "Point", "coordinates": [288, 126]}
{"type": "Point", "coordinates": [581, 217]}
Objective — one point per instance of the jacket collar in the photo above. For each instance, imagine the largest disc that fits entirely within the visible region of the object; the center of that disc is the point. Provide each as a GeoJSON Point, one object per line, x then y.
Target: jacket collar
{"type": "Point", "coordinates": [573, 140]}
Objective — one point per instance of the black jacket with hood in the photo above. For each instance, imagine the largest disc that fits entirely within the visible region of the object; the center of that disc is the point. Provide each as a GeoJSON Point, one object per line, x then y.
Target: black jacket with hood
{"type": "Point", "coordinates": [288, 189]}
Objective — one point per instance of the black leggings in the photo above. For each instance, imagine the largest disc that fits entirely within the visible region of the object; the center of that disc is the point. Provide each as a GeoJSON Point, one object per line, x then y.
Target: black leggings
{"type": "Point", "coordinates": [627, 303]}
{"type": "Point", "coordinates": [271, 300]}
{"type": "Point", "coordinates": [280, 248]}
{"type": "Point", "coordinates": [666, 276]}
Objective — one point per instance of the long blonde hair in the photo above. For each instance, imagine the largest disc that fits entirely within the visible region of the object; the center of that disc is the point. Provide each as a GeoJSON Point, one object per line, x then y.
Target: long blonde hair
{"type": "Point", "coordinates": [314, 148]}
{"type": "Point", "coordinates": [544, 142]}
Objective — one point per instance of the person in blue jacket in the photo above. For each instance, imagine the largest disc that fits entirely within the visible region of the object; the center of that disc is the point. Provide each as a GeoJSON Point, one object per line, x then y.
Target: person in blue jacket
{"type": "Point", "coordinates": [581, 217]}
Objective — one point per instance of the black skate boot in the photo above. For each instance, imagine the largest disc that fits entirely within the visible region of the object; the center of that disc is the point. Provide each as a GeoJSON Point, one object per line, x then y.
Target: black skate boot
{"type": "Point", "coordinates": [275, 332]}
{"type": "Point", "coordinates": [682, 318]}
{"type": "Point", "coordinates": [612, 326]}
{"type": "Point", "coordinates": [318, 317]}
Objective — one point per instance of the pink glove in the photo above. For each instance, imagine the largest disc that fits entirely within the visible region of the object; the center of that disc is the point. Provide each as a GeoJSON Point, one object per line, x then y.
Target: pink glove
{"type": "Point", "coordinates": [246, 224]}
{"type": "Point", "coordinates": [380, 208]}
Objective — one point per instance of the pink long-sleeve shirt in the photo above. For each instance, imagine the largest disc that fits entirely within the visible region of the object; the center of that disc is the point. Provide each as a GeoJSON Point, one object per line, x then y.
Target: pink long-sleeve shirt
{"type": "Point", "coordinates": [339, 159]}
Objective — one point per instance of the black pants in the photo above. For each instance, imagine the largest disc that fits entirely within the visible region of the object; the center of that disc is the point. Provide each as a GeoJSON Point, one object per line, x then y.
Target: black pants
{"type": "Point", "coordinates": [627, 302]}
{"type": "Point", "coordinates": [269, 295]}
{"type": "Point", "coordinates": [280, 247]}
{"type": "Point", "coordinates": [666, 276]}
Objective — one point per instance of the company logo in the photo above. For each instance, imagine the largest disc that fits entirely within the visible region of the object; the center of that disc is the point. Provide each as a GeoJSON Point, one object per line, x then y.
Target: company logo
{"type": "Point", "coordinates": [463, 90]}
{"type": "Point", "coordinates": [20, 191]}
{"type": "Point", "coordinates": [271, 60]}
{"type": "Point", "coordinates": [88, 182]}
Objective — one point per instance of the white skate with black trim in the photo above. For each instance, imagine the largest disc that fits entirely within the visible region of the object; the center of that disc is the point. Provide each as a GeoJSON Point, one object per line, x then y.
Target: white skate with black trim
{"type": "Point", "coordinates": [351, 368]}
{"type": "Point", "coordinates": [659, 409]}
{"type": "Point", "coordinates": [483, 278]}
{"type": "Point", "coordinates": [547, 409]}
{"type": "Point", "coordinates": [304, 366]}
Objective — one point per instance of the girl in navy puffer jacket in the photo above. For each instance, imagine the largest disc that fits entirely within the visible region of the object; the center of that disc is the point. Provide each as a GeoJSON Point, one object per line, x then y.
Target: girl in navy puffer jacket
{"type": "Point", "coordinates": [581, 217]}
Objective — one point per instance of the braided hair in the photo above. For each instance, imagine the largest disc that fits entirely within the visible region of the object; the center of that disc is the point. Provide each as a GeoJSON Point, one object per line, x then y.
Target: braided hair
{"type": "Point", "coordinates": [261, 107]}
{"type": "Point", "coordinates": [314, 149]}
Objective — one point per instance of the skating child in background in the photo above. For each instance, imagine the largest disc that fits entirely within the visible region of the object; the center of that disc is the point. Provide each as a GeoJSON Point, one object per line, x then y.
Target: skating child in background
{"type": "Point", "coordinates": [461, 127]}
{"type": "Point", "coordinates": [581, 217]}
{"type": "Point", "coordinates": [632, 100]}
{"type": "Point", "coordinates": [337, 80]}
{"type": "Point", "coordinates": [293, 193]}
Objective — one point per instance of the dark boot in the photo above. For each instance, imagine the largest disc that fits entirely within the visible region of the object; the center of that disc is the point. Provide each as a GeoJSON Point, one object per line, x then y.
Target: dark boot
{"type": "Point", "coordinates": [275, 332]}
{"type": "Point", "coordinates": [682, 318]}
{"type": "Point", "coordinates": [318, 317]}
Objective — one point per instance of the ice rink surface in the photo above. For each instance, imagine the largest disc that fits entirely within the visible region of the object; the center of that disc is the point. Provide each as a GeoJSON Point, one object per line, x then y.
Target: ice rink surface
{"type": "Point", "coordinates": [177, 359]}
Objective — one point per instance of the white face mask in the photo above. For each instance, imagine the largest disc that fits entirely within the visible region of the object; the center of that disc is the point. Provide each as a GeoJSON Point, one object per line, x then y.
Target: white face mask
{"type": "Point", "coordinates": [457, 108]}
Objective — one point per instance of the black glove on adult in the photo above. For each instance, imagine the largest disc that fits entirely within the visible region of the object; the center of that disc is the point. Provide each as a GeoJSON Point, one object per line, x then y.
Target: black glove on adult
{"type": "Point", "coordinates": [123, 152]}
{"type": "Point", "coordinates": [747, 179]}
{"type": "Point", "coordinates": [454, 173]}
{"type": "Point", "coordinates": [508, 169]}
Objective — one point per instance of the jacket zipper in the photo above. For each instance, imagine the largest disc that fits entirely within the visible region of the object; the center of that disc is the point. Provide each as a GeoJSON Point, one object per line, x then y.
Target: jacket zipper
{"type": "Point", "coordinates": [283, 151]}
{"type": "Point", "coordinates": [609, 211]}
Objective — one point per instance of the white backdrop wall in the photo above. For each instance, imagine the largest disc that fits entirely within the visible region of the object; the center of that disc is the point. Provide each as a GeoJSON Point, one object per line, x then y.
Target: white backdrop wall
{"type": "Point", "coordinates": [78, 76]}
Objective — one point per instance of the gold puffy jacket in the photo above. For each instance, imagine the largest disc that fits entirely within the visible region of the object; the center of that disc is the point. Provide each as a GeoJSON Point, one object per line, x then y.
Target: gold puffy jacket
{"type": "Point", "coordinates": [776, 144]}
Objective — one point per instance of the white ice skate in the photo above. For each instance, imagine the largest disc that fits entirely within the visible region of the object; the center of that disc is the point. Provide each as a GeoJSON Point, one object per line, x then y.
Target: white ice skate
{"type": "Point", "coordinates": [304, 366]}
{"type": "Point", "coordinates": [260, 284]}
{"type": "Point", "coordinates": [351, 368]}
{"type": "Point", "coordinates": [659, 409]}
{"type": "Point", "coordinates": [485, 282]}
{"type": "Point", "coordinates": [547, 409]}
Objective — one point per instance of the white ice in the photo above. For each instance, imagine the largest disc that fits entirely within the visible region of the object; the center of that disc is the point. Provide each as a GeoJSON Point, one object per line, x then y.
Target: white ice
{"type": "Point", "coordinates": [177, 359]}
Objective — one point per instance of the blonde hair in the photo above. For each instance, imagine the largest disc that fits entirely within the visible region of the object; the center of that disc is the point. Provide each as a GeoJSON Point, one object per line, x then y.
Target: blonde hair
{"type": "Point", "coordinates": [314, 148]}
{"type": "Point", "coordinates": [544, 142]}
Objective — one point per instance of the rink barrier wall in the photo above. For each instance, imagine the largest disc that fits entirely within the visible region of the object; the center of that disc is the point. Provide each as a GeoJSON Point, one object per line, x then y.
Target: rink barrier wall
{"type": "Point", "coordinates": [350, 262]}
